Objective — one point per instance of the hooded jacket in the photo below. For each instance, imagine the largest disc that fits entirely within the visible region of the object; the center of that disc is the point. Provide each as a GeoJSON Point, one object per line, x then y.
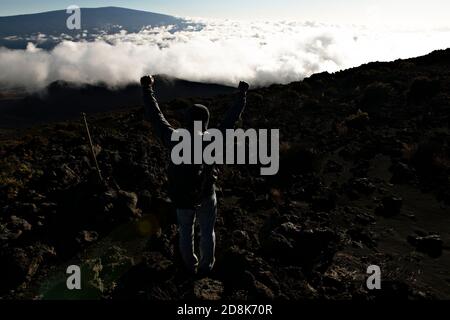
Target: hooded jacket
{"type": "Point", "coordinates": [189, 184]}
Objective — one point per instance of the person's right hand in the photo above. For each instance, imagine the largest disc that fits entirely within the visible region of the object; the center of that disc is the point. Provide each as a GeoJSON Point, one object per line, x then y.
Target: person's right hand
{"type": "Point", "coordinates": [147, 81]}
{"type": "Point", "coordinates": [243, 86]}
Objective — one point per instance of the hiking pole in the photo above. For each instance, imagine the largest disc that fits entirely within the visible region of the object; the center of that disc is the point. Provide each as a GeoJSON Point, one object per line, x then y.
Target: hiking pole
{"type": "Point", "coordinates": [92, 146]}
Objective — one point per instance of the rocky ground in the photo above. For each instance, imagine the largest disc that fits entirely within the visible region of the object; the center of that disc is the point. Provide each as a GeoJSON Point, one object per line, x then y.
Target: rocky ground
{"type": "Point", "coordinates": [364, 179]}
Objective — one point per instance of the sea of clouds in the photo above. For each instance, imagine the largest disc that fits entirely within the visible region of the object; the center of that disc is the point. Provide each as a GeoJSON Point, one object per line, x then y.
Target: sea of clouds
{"type": "Point", "coordinates": [223, 52]}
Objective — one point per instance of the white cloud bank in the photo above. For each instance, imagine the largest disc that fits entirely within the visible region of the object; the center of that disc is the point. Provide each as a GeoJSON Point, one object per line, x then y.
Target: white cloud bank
{"type": "Point", "coordinates": [223, 52]}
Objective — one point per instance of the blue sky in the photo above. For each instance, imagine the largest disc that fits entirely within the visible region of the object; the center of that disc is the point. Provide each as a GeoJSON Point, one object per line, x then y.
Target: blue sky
{"type": "Point", "coordinates": [403, 12]}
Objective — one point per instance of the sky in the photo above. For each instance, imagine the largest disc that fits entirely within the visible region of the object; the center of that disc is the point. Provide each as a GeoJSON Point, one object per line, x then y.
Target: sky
{"type": "Point", "coordinates": [401, 13]}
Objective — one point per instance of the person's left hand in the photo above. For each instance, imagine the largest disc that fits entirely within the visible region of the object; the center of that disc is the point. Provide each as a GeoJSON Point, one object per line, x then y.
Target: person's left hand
{"type": "Point", "coordinates": [243, 86]}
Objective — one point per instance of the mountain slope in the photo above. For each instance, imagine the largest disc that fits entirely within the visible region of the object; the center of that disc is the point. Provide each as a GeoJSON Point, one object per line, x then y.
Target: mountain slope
{"type": "Point", "coordinates": [364, 180]}
{"type": "Point", "coordinates": [15, 31]}
{"type": "Point", "coordinates": [92, 19]}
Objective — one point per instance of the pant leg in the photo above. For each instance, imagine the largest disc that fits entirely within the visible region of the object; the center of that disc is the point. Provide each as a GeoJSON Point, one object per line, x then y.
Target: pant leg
{"type": "Point", "coordinates": [207, 214]}
{"type": "Point", "coordinates": [186, 221]}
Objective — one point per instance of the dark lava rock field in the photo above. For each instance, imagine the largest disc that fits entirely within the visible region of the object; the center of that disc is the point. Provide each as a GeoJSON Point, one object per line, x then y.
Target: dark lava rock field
{"type": "Point", "coordinates": [363, 180]}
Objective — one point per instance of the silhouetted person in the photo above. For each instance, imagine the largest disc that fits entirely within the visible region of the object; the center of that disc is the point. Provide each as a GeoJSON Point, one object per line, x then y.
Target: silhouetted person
{"type": "Point", "coordinates": [192, 187]}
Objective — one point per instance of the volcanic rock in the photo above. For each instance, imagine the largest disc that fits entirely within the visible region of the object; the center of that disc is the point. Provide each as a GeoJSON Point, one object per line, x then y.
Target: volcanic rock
{"type": "Point", "coordinates": [391, 206]}
{"type": "Point", "coordinates": [208, 289]}
{"type": "Point", "coordinates": [86, 237]}
{"type": "Point", "coordinates": [431, 244]}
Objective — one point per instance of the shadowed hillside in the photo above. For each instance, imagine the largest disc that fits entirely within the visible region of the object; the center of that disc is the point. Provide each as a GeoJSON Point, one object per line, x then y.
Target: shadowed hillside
{"type": "Point", "coordinates": [65, 101]}
{"type": "Point", "coordinates": [364, 180]}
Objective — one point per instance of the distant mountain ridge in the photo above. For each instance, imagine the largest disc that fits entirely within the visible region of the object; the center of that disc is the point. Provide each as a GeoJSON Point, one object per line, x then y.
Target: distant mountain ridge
{"type": "Point", "coordinates": [16, 31]}
{"type": "Point", "coordinates": [63, 101]}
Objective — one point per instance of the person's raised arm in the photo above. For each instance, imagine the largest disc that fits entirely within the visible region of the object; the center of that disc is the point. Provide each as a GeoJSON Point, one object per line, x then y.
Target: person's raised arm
{"type": "Point", "coordinates": [153, 113]}
{"type": "Point", "coordinates": [234, 113]}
